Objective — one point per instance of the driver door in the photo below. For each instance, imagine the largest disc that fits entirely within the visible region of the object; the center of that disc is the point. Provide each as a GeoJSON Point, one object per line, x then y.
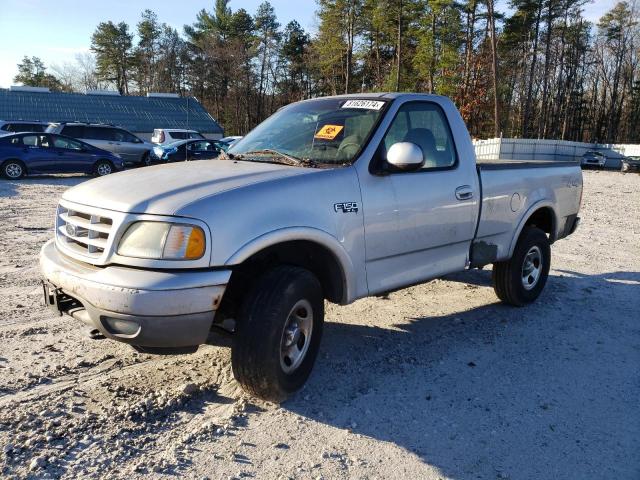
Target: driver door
{"type": "Point", "coordinates": [417, 224]}
{"type": "Point", "coordinates": [72, 157]}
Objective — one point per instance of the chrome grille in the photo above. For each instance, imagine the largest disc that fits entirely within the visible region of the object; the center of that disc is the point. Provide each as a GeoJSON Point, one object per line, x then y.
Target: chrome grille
{"type": "Point", "coordinates": [81, 232]}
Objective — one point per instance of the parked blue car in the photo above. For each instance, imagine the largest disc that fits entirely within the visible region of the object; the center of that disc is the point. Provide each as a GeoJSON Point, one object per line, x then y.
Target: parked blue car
{"type": "Point", "coordinates": [27, 153]}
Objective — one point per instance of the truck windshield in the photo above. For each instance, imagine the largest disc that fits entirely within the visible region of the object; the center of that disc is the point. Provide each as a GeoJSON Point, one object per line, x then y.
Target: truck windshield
{"type": "Point", "coordinates": [323, 131]}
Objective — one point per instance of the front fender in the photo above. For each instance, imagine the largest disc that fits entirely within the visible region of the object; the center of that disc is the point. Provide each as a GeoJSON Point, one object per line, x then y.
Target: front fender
{"type": "Point", "coordinates": [324, 239]}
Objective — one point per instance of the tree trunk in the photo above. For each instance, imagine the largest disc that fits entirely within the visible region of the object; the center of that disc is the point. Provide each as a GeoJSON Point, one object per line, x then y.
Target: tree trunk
{"type": "Point", "coordinates": [494, 69]}
{"type": "Point", "coordinates": [399, 49]}
{"type": "Point", "coordinates": [526, 123]}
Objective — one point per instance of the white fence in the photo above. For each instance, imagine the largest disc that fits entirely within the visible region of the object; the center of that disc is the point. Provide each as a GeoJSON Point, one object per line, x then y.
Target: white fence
{"type": "Point", "coordinates": [560, 150]}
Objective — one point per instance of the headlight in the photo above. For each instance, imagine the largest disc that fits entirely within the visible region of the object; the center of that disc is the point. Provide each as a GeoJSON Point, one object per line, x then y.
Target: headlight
{"type": "Point", "coordinates": [158, 151]}
{"type": "Point", "coordinates": [162, 241]}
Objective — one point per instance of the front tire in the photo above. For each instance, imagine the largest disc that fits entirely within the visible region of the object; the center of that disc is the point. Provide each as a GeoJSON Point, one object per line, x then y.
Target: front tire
{"type": "Point", "coordinates": [146, 160]}
{"type": "Point", "coordinates": [13, 169]}
{"type": "Point", "coordinates": [521, 279]}
{"type": "Point", "coordinates": [102, 168]}
{"type": "Point", "coordinates": [278, 333]}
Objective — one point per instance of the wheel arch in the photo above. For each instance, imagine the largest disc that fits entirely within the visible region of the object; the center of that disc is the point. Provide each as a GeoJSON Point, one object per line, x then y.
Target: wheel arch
{"type": "Point", "coordinates": [103, 159]}
{"type": "Point", "coordinates": [541, 215]}
{"type": "Point", "coordinates": [309, 248]}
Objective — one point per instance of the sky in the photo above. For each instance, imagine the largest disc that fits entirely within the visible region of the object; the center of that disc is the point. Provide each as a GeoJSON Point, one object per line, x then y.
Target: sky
{"type": "Point", "coordinates": [57, 30]}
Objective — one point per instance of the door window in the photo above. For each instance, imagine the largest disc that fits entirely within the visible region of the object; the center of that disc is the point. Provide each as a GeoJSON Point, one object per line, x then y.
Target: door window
{"type": "Point", "coordinates": [124, 136]}
{"type": "Point", "coordinates": [424, 124]}
{"type": "Point", "coordinates": [27, 127]}
{"type": "Point", "coordinates": [66, 143]}
{"type": "Point", "coordinates": [195, 135]}
{"type": "Point", "coordinates": [75, 131]}
{"type": "Point", "coordinates": [179, 135]}
{"type": "Point", "coordinates": [201, 147]}
{"type": "Point", "coordinates": [99, 133]}
{"type": "Point", "coordinates": [41, 141]}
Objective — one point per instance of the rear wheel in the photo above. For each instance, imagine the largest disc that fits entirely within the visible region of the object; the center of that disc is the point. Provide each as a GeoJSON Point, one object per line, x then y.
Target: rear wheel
{"type": "Point", "coordinates": [13, 169]}
{"type": "Point", "coordinates": [103, 167]}
{"type": "Point", "coordinates": [278, 333]}
{"type": "Point", "coordinates": [520, 280]}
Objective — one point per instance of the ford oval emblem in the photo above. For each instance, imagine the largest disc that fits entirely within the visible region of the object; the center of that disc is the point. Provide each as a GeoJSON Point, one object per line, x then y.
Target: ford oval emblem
{"type": "Point", "coordinates": [71, 229]}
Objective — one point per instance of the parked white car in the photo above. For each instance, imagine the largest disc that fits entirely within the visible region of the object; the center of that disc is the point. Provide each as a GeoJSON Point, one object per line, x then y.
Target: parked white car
{"type": "Point", "coordinates": [165, 136]}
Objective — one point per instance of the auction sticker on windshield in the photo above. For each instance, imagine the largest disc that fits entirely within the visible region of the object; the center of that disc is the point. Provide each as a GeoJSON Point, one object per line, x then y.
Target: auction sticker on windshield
{"type": "Point", "coordinates": [328, 132]}
{"type": "Point", "coordinates": [364, 104]}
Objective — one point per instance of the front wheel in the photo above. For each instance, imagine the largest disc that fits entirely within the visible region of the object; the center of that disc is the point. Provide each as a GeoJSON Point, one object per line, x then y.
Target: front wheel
{"type": "Point", "coordinates": [146, 160]}
{"type": "Point", "coordinates": [521, 279]}
{"type": "Point", "coordinates": [102, 168]}
{"type": "Point", "coordinates": [278, 333]}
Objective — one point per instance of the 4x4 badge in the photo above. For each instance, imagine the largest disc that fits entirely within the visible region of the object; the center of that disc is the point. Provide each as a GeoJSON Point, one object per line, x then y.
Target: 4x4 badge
{"type": "Point", "coordinates": [346, 207]}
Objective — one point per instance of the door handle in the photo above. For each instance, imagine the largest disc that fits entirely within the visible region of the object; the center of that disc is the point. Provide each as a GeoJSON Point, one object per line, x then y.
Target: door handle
{"type": "Point", "coordinates": [465, 192]}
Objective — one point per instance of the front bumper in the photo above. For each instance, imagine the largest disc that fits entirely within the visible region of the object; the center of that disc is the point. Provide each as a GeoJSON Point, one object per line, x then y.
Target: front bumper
{"type": "Point", "coordinates": [150, 308]}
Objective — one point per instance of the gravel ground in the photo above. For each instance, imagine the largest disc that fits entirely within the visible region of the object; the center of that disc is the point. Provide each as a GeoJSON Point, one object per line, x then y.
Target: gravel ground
{"type": "Point", "coordinates": [435, 381]}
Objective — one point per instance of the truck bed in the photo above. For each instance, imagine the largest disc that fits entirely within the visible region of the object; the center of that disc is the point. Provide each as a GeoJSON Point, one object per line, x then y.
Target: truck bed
{"type": "Point", "coordinates": [510, 189]}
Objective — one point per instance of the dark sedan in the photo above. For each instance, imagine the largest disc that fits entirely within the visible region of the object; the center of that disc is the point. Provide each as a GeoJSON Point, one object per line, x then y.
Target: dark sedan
{"type": "Point", "coordinates": [28, 153]}
{"type": "Point", "coordinates": [186, 150]}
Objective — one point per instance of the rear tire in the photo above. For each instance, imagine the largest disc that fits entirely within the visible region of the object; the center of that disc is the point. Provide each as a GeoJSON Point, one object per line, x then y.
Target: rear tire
{"type": "Point", "coordinates": [521, 279]}
{"type": "Point", "coordinates": [278, 333]}
{"type": "Point", "coordinates": [102, 168]}
{"type": "Point", "coordinates": [13, 169]}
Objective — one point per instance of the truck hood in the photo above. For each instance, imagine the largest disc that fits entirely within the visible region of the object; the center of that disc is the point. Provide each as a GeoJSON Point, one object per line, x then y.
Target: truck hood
{"type": "Point", "coordinates": [165, 189]}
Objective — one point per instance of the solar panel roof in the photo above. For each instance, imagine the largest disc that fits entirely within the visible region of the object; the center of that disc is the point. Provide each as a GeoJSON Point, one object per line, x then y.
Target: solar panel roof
{"type": "Point", "coordinates": [137, 114]}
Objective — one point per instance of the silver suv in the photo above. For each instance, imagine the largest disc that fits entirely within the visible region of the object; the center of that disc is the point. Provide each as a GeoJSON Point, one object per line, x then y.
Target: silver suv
{"type": "Point", "coordinates": [133, 150]}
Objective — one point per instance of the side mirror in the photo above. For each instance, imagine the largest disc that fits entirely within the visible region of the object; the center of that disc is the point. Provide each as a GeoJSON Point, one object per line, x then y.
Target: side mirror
{"type": "Point", "coordinates": [405, 156]}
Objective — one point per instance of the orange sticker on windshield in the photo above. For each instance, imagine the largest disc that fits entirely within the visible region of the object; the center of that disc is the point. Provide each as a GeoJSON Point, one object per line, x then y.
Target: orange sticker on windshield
{"type": "Point", "coordinates": [328, 132]}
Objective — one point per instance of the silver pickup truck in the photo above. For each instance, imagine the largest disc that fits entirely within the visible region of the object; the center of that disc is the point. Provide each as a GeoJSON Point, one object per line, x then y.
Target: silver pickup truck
{"type": "Point", "coordinates": [332, 199]}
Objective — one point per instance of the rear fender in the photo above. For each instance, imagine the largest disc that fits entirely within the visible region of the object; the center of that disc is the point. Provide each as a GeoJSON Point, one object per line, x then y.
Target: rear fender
{"type": "Point", "coordinates": [523, 221]}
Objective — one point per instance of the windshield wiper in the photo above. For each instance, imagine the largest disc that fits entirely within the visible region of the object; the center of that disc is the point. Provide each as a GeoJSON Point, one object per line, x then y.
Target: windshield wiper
{"type": "Point", "coordinates": [290, 159]}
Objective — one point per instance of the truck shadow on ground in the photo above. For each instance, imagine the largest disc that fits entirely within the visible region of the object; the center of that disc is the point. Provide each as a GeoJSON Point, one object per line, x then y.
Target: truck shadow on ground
{"type": "Point", "coordinates": [495, 391]}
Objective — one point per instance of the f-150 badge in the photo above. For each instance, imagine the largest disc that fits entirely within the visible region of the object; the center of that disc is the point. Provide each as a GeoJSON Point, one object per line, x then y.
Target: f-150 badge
{"type": "Point", "coordinates": [346, 207]}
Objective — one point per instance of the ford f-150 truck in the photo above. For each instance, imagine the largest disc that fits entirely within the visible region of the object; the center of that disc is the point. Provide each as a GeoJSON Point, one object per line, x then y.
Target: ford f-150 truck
{"type": "Point", "coordinates": [333, 199]}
